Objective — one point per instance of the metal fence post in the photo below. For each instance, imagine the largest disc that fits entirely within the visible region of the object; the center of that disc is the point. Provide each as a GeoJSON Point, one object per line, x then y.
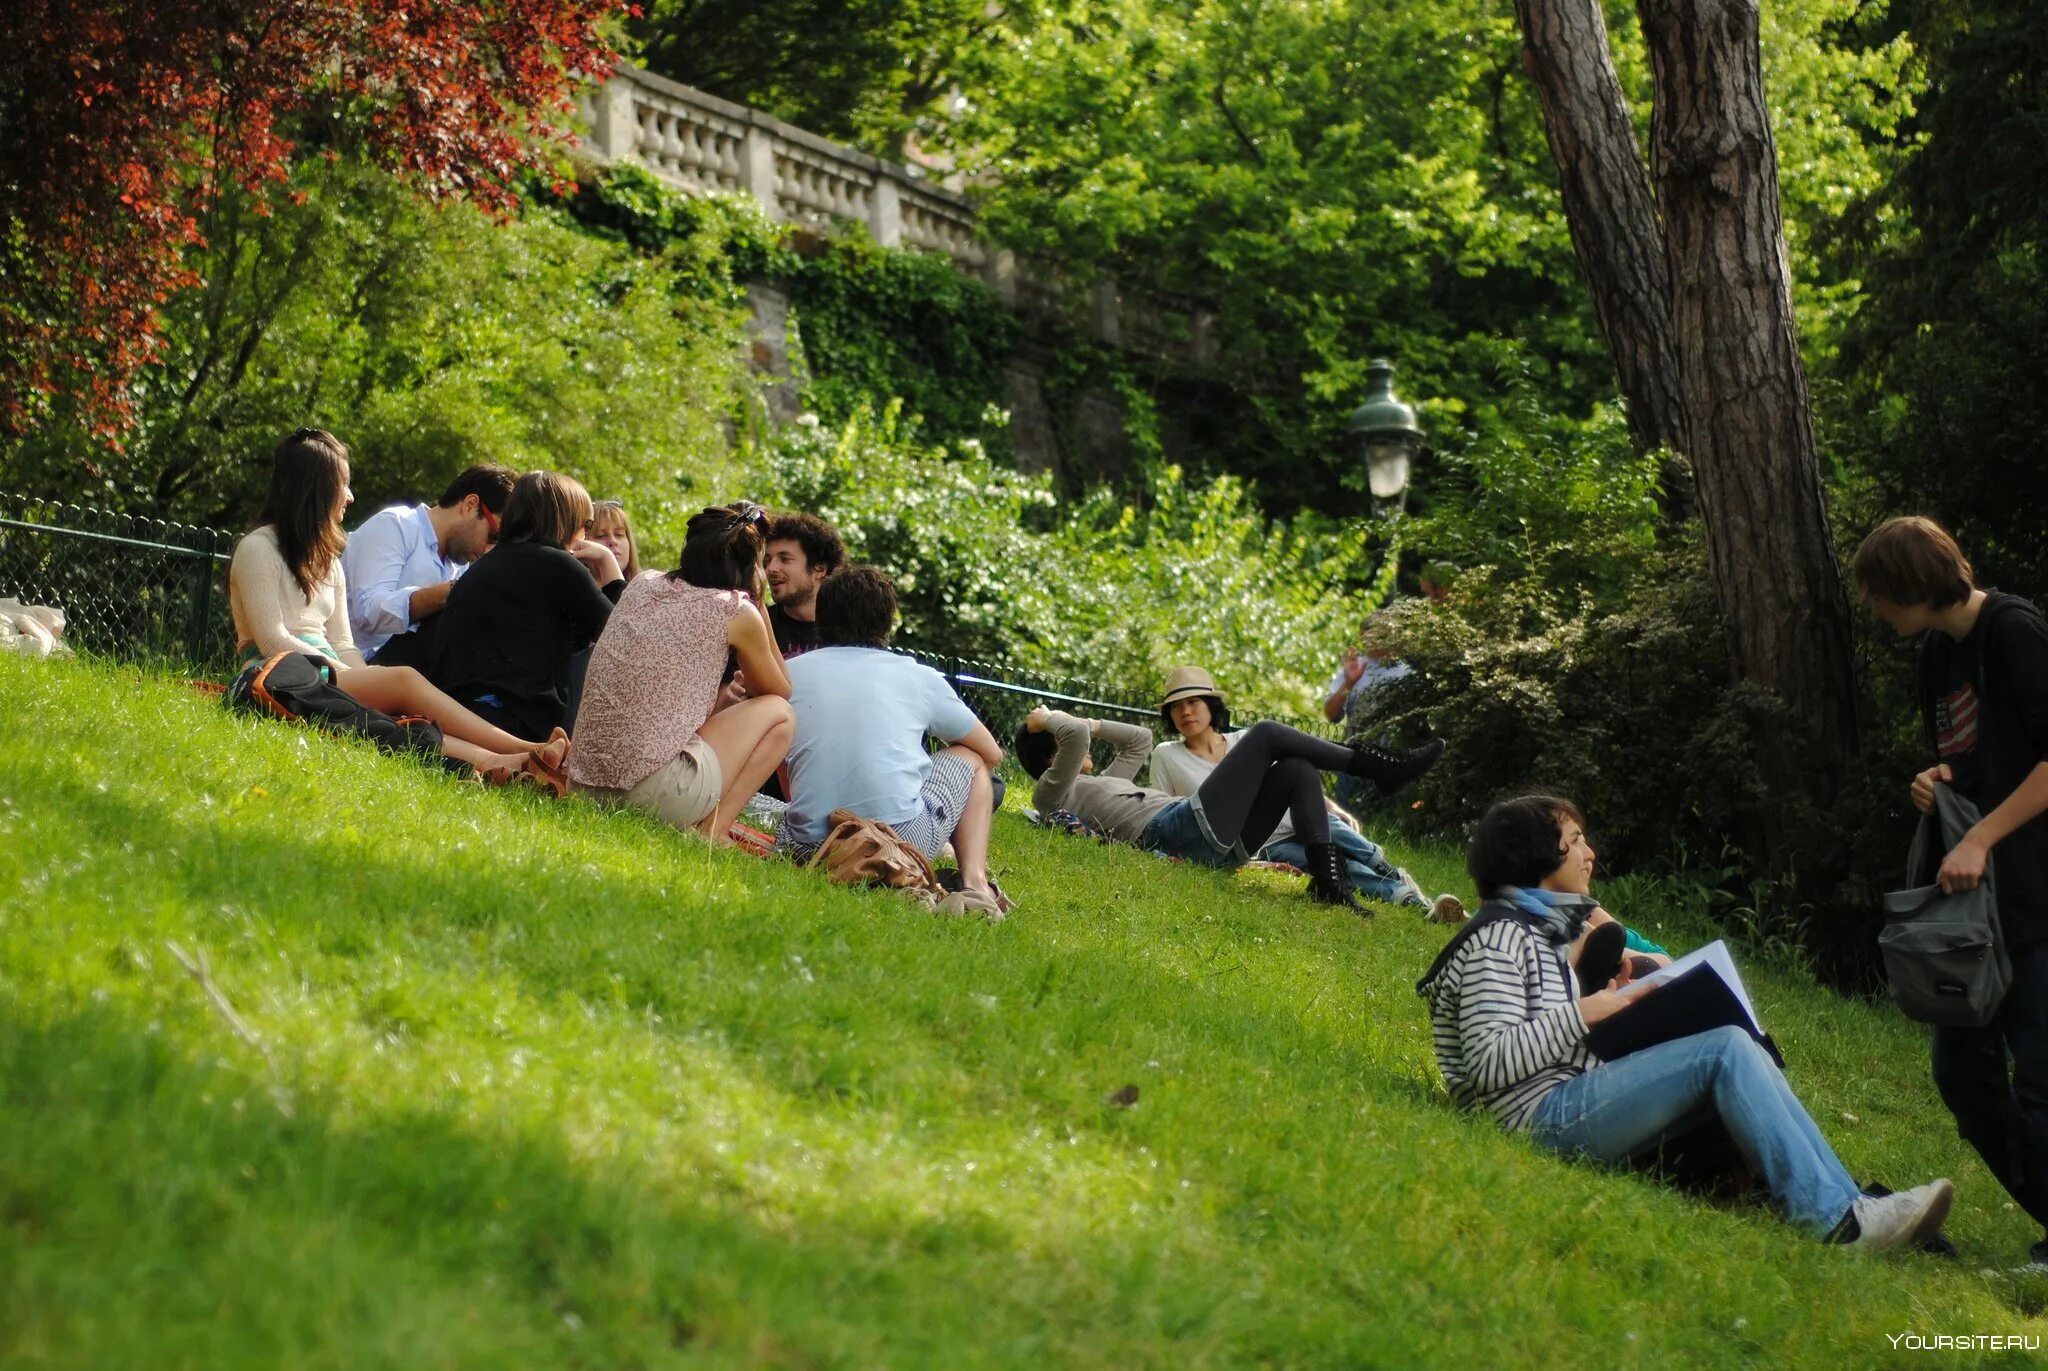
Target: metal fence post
{"type": "Point", "coordinates": [202, 599]}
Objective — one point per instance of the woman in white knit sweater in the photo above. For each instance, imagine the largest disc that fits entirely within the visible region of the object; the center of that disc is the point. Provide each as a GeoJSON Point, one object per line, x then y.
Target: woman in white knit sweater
{"type": "Point", "coordinates": [287, 593]}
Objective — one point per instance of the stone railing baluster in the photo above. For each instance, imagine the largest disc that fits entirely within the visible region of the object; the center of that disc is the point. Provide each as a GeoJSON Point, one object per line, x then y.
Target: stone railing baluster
{"type": "Point", "coordinates": [700, 143]}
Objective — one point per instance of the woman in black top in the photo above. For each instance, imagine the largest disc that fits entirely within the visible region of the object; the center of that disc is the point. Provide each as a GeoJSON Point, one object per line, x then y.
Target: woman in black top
{"type": "Point", "coordinates": [518, 616]}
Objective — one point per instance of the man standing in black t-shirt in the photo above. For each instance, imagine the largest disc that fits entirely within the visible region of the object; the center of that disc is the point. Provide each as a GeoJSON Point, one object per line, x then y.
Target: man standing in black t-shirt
{"type": "Point", "coordinates": [1983, 690]}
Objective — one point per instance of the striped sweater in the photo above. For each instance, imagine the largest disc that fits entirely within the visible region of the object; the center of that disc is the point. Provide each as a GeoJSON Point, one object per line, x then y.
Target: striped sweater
{"type": "Point", "coordinates": [1504, 1012]}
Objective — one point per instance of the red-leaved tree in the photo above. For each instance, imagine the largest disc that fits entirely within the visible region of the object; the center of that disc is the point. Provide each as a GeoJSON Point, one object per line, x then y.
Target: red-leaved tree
{"type": "Point", "coordinates": [122, 120]}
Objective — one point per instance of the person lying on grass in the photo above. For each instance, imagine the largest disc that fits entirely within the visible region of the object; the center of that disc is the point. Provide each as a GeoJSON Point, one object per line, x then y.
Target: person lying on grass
{"type": "Point", "coordinates": [646, 736]}
{"type": "Point", "coordinates": [1273, 771]}
{"type": "Point", "coordinates": [287, 593]}
{"type": "Point", "coordinates": [1510, 1026]}
{"type": "Point", "coordinates": [1194, 708]}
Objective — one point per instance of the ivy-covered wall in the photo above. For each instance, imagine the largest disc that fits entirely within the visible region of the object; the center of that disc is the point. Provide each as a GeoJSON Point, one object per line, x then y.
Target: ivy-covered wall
{"type": "Point", "coordinates": [866, 324]}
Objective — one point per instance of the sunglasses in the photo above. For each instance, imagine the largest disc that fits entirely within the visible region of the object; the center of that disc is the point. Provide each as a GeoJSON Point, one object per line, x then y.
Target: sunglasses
{"type": "Point", "coordinates": [490, 521]}
{"type": "Point", "coordinates": [747, 512]}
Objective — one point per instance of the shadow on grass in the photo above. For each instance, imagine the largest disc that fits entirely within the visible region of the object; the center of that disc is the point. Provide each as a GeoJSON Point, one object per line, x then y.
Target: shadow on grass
{"type": "Point", "coordinates": [169, 1210]}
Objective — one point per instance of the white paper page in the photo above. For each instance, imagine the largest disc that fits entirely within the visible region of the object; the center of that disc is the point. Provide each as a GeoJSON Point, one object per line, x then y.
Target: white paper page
{"type": "Point", "coordinates": [1716, 955]}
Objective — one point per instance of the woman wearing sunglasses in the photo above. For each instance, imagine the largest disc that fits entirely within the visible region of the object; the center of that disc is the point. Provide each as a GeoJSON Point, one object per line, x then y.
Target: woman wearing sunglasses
{"type": "Point", "coordinates": [517, 617]}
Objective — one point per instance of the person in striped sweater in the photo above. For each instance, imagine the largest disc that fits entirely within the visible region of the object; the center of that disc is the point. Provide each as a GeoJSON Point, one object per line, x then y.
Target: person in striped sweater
{"type": "Point", "coordinates": [1510, 1027]}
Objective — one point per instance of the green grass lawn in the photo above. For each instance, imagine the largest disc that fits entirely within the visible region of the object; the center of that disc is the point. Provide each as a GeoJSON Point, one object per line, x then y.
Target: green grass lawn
{"type": "Point", "coordinates": [530, 1085]}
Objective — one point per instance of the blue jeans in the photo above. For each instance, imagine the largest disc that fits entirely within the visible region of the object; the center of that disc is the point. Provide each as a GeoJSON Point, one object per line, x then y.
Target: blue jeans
{"type": "Point", "coordinates": [1178, 831]}
{"type": "Point", "coordinates": [1372, 875]}
{"type": "Point", "coordinates": [1620, 1109]}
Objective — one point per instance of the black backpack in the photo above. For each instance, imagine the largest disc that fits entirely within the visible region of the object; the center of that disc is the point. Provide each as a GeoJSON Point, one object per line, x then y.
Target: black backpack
{"type": "Point", "coordinates": [293, 686]}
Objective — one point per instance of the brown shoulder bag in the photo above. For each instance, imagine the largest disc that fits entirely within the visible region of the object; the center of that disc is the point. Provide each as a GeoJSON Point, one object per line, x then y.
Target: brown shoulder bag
{"type": "Point", "coordinates": [867, 852]}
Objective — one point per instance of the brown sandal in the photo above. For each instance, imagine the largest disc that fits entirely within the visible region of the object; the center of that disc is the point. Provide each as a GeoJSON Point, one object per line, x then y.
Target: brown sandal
{"type": "Point", "coordinates": [554, 775]}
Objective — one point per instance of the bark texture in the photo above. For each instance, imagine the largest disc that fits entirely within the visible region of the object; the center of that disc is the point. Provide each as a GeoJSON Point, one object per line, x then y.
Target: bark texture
{"type": "Point", "coordinates": [1748, 416]}
{"type": "Point", "coordinates": [1608, 206]}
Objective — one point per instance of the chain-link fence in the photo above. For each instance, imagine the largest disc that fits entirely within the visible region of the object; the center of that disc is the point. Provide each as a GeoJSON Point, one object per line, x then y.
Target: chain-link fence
{"type": "Point", "coordinates": [155, 591]}
{"type": "Point", "coordinates": [130, 587]}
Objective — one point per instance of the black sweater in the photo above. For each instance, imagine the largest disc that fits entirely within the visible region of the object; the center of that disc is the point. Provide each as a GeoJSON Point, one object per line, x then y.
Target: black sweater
{"type": "Point", "coordinates": [1993, 732]}
{"type": "Point", "coordinates": [511, 625]}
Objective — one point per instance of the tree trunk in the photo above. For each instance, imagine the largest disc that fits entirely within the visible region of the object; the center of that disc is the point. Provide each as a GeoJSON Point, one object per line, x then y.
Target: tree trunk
{"type": "Point", "coordinates": [1608, 207]}
{"type": "Point", "coordinates": [1749, 423]}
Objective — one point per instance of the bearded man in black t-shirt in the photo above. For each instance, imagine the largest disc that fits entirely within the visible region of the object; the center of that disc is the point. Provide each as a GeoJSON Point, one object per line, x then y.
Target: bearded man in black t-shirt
{"type": "Point", "coordinates": [801, 550]}
{"type": "Point", "coordinates": [1983, 687]}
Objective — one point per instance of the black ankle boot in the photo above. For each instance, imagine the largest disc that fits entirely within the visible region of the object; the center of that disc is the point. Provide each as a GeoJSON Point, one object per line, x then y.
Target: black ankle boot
{"type": "Point", "coordinates": [1391, 768]}
{"type": "Point", "coordinates": [1328, 882]}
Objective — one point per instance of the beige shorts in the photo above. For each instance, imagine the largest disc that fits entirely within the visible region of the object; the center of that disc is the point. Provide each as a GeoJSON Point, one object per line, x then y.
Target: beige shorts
{"type": "Point", "coordinates": [681, 794]}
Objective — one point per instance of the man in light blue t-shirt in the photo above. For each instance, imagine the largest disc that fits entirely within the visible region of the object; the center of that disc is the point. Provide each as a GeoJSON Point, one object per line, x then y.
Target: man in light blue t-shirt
{"type": "Point", "coordinates": [862, 713]}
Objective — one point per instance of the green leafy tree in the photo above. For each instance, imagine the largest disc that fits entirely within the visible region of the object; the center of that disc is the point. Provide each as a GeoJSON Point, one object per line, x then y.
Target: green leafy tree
{"type": "Point", "coordinates": [859, 70]}
{"type": "Point", "coordinates": [988, 564]}
{"type": "Point", "coordinates": [1941, 396]}
{"type": "Point", "coordinates": [428, 339]}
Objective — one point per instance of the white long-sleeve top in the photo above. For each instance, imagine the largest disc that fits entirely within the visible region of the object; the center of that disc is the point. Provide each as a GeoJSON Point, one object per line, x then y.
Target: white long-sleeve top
{"type": "Point", "coordinates": [274, 614]}
{"type": "Point", "coordinates": [1177, 771]}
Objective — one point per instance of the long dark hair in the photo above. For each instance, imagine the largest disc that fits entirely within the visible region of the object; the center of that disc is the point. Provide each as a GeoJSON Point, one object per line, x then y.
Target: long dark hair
{"type": "Point", "coordinates": [308, 473]}
{"type": "Point", "coordinates": [722, 547]}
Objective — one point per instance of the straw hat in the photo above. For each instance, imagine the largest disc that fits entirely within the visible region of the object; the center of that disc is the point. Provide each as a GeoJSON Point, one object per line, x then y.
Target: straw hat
{"type": "Point", "coordinates": [1184, 681]}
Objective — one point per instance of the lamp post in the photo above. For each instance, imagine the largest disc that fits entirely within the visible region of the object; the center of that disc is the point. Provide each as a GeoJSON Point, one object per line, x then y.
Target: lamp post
{"type": "Point", "coordinates": [1388, 438]}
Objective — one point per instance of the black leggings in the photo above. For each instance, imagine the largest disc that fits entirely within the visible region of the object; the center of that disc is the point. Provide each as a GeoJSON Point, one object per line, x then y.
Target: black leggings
{"type": "Point", "coordinates": [1272, 770]}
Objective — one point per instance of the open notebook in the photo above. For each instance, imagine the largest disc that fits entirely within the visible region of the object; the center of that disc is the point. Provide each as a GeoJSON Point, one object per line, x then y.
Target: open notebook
{"type": "Point", "coordinates": [1699, 991]}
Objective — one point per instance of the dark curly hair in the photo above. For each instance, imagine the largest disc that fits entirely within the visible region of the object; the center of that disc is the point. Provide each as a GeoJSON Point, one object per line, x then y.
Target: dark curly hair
{"type": "Point", "coordinates": [820, 541]}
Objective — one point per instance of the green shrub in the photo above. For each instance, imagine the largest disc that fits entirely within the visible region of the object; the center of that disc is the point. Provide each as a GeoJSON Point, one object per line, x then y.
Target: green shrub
{"type": "Point", "coordinates": [1627, 709]}
{"type": "Point", "coordinates": [989, 564]}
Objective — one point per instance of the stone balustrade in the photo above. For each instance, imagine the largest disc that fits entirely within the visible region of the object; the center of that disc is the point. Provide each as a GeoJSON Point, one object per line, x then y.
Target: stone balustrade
{"type": "Point", "coordinates": [704, 145]}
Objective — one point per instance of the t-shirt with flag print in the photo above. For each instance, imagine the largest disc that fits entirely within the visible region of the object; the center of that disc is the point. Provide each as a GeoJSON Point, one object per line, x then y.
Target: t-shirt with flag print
{"type": "Point", "coordinates": [1992, 736]}
{"type": "Point", "coordinates": [1955, 723]}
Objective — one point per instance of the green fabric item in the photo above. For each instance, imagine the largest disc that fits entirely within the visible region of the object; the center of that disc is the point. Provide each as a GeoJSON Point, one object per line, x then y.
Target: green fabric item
{"type": "Point", "coordinates": [1636, 942]}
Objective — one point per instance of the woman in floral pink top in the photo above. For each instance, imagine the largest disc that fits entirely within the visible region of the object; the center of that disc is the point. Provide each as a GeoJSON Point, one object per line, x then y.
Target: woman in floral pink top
{"type": "Point", "coordinates": [645, 735]}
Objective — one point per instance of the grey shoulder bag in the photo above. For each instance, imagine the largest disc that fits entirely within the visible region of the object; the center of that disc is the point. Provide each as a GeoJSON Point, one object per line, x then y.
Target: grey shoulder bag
{"type": "Point", "coordinates": [1943, 954]}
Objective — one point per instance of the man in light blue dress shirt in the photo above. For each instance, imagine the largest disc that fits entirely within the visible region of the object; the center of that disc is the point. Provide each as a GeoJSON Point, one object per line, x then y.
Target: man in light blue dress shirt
{"type": "Point", "coordinates": [400, 564]}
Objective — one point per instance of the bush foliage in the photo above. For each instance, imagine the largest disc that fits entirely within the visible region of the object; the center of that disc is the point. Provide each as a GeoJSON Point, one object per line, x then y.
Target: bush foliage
{"type": "Point", "coordinates": [989, 563]}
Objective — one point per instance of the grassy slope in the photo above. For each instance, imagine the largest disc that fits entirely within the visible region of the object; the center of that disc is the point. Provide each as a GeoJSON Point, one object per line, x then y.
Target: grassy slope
{"type": "Point", "coordinates": [546, 1086]}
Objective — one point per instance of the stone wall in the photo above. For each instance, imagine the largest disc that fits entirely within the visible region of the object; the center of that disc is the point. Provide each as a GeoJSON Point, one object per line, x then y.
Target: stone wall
{"type": "Point", "coordinates": [701, 144]}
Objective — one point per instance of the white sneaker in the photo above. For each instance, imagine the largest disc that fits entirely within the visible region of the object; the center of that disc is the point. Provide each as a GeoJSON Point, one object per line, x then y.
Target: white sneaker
{"type": "Point", "coordinates": [1887, 1221]}
{"type": "Point", "coordinates": [1447, 909]}
{"type": "Point", "coordinates": [1410, 891]}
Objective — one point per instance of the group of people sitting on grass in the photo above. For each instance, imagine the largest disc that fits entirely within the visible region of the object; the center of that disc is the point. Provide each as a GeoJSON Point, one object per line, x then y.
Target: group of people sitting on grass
{"type": "Point", "coordinates": [687, 691]}
{"type": "Point", "coordinates": [697, 689]}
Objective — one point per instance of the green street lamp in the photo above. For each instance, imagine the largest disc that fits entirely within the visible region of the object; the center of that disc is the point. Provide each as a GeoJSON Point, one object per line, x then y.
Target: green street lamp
{"type": "Point", "coordinates": [1388, 437]}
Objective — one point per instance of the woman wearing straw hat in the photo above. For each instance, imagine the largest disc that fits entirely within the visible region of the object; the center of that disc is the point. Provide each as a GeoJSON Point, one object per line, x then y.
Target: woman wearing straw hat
{"type": "Point", "coordinates": [1194, 707]}
{"type": "Point", "coordinates": [1273, 770]}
